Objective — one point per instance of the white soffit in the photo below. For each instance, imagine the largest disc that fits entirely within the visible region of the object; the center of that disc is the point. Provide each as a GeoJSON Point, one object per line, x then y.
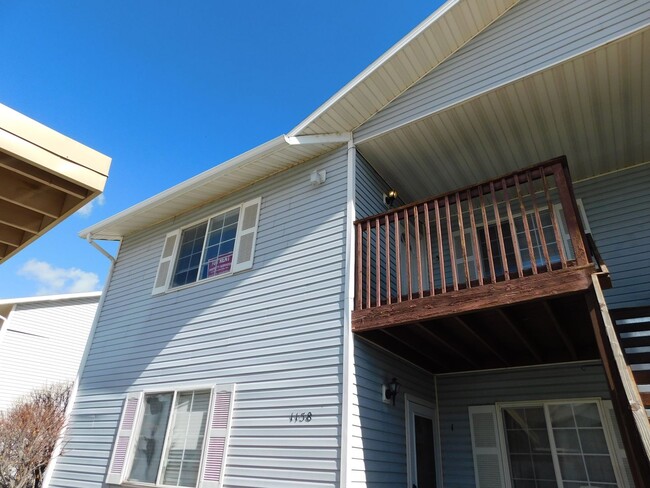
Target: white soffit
{"type": "Point", "coordinates": [438, 37]}
{"type": "Point", "coordinates": [261, 162]}
{"type": "Point", "coordinates": [593, 108]}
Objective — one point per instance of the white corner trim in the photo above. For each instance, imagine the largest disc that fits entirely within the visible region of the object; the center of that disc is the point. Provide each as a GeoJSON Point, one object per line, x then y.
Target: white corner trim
{"type": "Point", "coordinates": [348, 338]}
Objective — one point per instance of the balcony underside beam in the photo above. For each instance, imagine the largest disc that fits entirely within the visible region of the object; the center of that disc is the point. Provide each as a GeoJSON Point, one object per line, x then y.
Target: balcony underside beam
{"type": "Point", "coordinates": [489, 296]}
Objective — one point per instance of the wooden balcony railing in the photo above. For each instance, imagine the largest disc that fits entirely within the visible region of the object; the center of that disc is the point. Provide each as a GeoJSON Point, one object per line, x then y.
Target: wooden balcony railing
{"type": "Point", "coordinates": [525, 223]}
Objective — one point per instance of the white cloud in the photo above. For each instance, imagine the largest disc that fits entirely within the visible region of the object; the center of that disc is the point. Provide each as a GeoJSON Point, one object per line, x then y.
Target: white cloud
{"type": "Point", "coordinates": [52, 280]}
{"type": "Point", "coordinates": [87, 209]}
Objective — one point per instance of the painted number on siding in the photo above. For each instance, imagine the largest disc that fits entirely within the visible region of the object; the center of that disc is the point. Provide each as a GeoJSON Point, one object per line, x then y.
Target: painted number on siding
{"type": "Point", "coordinates": [300, 417]}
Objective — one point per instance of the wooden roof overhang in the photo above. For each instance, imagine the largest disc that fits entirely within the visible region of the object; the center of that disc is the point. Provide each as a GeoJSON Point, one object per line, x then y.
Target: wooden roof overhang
{"type": "Point", "coordinates": [45, 177]}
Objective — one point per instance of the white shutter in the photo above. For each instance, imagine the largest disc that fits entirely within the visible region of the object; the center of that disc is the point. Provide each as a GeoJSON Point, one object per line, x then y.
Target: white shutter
{"type": "Point", "coordinates": [488, 469]}
{"type": "Point", "coordinates": [218, 432]}
{"type": "Point", "coordinates": [166, 262]}
{"type": "Point", "coordinates": [619, 448]}
{"type": "Point", "coordinates": [119, 460]}
{"type": "Point", "coordinates": [246, 234]}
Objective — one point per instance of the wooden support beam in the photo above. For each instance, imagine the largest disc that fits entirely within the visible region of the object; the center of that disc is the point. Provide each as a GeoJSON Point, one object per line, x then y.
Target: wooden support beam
{"type": "Point", "coordinates": [426, 331]}
{"type": "Point", "coordinates": [477, 337]}
{"type": "Point", "coordinates": [11, 236]}
{"type": "Point", "coordinates": [516, 331]}
{"type": "Point", "coordinates": [558, 328]}
{"type": "Point", "coordinates": [491, 295]}
{"type": "Point", "coordinates": [42, 176]}
{"type": "Point", "coordinates": [32, 194]}
{"type": "Point", "coordinates": [410, 352]}
{"type": "Point", "coordinates": [22, 218]}
{"type": "Point", "coordinates": [628, 405]}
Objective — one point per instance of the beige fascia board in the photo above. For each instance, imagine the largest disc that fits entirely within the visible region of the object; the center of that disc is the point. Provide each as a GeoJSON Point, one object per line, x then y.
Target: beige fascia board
{"type": "Point", "coordinates": [37, 144]}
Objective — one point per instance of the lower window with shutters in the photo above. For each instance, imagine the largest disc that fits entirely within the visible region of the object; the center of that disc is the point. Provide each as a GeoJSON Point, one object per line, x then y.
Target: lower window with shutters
{"type": "Point", "coordinates": [168, 438]}
{"type": "Point", "coordinates": [550, 444]}
{"type": "Point", "coordinates": [177, 419]}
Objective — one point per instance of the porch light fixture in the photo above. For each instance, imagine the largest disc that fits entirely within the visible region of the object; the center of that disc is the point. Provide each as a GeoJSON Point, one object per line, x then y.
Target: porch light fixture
{"type": "Point", "coordinates": [389, 392]}
{"type": "Point", "coordinates": [390, 197]}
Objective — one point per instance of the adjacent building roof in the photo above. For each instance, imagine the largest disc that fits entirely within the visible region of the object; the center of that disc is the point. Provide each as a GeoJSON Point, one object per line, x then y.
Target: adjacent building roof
{"type": "Point", "coordinates": [50, 298]}
{"type": "Point", "coordinates": [45, 176]}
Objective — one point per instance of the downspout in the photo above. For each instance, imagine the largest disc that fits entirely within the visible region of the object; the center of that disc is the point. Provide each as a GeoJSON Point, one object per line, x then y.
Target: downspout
{"type": "Point", "coordinates": [348, 306]}
{"type": "Point", "coordinates": [58, 447]}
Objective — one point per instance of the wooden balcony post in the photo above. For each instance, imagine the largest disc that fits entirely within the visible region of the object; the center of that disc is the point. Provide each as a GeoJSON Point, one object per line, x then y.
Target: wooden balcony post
{"type": "Point", "coordinates": [359, 288]}
{"type": "Point", "coordinates": [571, 212]}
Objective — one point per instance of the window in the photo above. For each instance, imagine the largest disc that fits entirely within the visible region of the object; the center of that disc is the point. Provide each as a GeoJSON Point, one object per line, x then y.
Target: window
{"type": "Point", "coordinates": [554, 444]}
{"type": "Point", "coordinates": [521, 247]}
{"type": "Point", "coordinates": [510, 251]}
{"type": "Point", "coordinates": [220, 245]}
{"type": "Point", "coordinates": [173, 438]}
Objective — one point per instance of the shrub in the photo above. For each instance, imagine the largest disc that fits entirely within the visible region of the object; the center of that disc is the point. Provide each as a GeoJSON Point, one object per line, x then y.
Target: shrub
{"type": "Point", "coordinates": [28, 434]}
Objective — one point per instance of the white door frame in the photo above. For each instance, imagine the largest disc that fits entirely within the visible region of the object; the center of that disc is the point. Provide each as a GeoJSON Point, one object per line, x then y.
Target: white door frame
{"type": "Point", "coordinates": [413, 406]}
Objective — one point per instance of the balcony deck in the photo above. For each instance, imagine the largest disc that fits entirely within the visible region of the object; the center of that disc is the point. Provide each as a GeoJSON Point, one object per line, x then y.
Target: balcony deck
{"type": "Point", "coordinates": [507, 258]}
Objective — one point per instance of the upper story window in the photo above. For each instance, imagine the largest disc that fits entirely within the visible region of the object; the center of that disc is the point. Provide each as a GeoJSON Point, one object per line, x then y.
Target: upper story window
{"type": "Point", "coordinates": [220, 245]}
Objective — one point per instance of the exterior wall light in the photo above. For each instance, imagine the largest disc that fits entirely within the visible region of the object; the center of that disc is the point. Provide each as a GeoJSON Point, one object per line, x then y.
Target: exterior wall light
{"type": "Point", "coordinates": [317, 177]}
{"type": "Point", "coordinates": [389, 392]}
{"type": "Point", "coordinates": [390, 197]}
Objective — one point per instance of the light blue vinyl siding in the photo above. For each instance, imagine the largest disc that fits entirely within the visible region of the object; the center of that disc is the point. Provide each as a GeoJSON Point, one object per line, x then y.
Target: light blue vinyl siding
{"type": "Point", "coordinates": [533, 35]}
{"type": "Point", "coordinates": [370, 190]}
{"type": "Point", "coordinates": [457, 392]}
{"type": "Point", "coordinates": [41, 344]}
{"type": "Point", "coordinates": [275, 331]}
{"type": "Point", "coordinates": [618, 210]}
{"type": "Point", "coordinates": [379, 429]}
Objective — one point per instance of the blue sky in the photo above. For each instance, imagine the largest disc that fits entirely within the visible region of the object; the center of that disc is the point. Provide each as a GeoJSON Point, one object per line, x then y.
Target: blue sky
{"type": "Point", "coordinates": [170, 88]}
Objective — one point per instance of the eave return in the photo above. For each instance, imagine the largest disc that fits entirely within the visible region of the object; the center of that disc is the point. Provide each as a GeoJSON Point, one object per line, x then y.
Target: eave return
{"type": "Point", "coordinates": [485, 276]}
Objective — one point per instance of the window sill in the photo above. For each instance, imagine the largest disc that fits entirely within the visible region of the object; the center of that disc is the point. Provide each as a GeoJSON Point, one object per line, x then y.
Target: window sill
{"type": "Point", "coordinates": [137, 484]}
{"type": "Point", "coordinates": [197, 283]}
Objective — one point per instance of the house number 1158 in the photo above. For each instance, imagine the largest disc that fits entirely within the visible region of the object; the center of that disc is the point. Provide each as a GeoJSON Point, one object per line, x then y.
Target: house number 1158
{"type": "Point", "coordinates": [300, 417]}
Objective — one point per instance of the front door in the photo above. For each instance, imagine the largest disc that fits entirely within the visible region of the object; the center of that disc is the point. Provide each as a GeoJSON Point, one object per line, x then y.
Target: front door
{"type": "Point", "coordinates": [420, 427]}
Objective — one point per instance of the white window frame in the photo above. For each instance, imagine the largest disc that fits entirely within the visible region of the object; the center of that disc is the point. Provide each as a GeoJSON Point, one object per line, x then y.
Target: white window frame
{"type": "Point", "coordinates": [170, 422]}
{"type": "Point", "coordinates": [214, 391]}
{"type": "Point", "coordinates": [607, 430]}
{"type": "Point", "coordinates": [178, 233]}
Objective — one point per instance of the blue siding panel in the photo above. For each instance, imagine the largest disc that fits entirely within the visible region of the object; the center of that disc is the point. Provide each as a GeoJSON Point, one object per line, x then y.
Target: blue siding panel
{"type": "Point", "coordinates": [618, 210]}
{"type": "Point", "coordinates": [275, 331]}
